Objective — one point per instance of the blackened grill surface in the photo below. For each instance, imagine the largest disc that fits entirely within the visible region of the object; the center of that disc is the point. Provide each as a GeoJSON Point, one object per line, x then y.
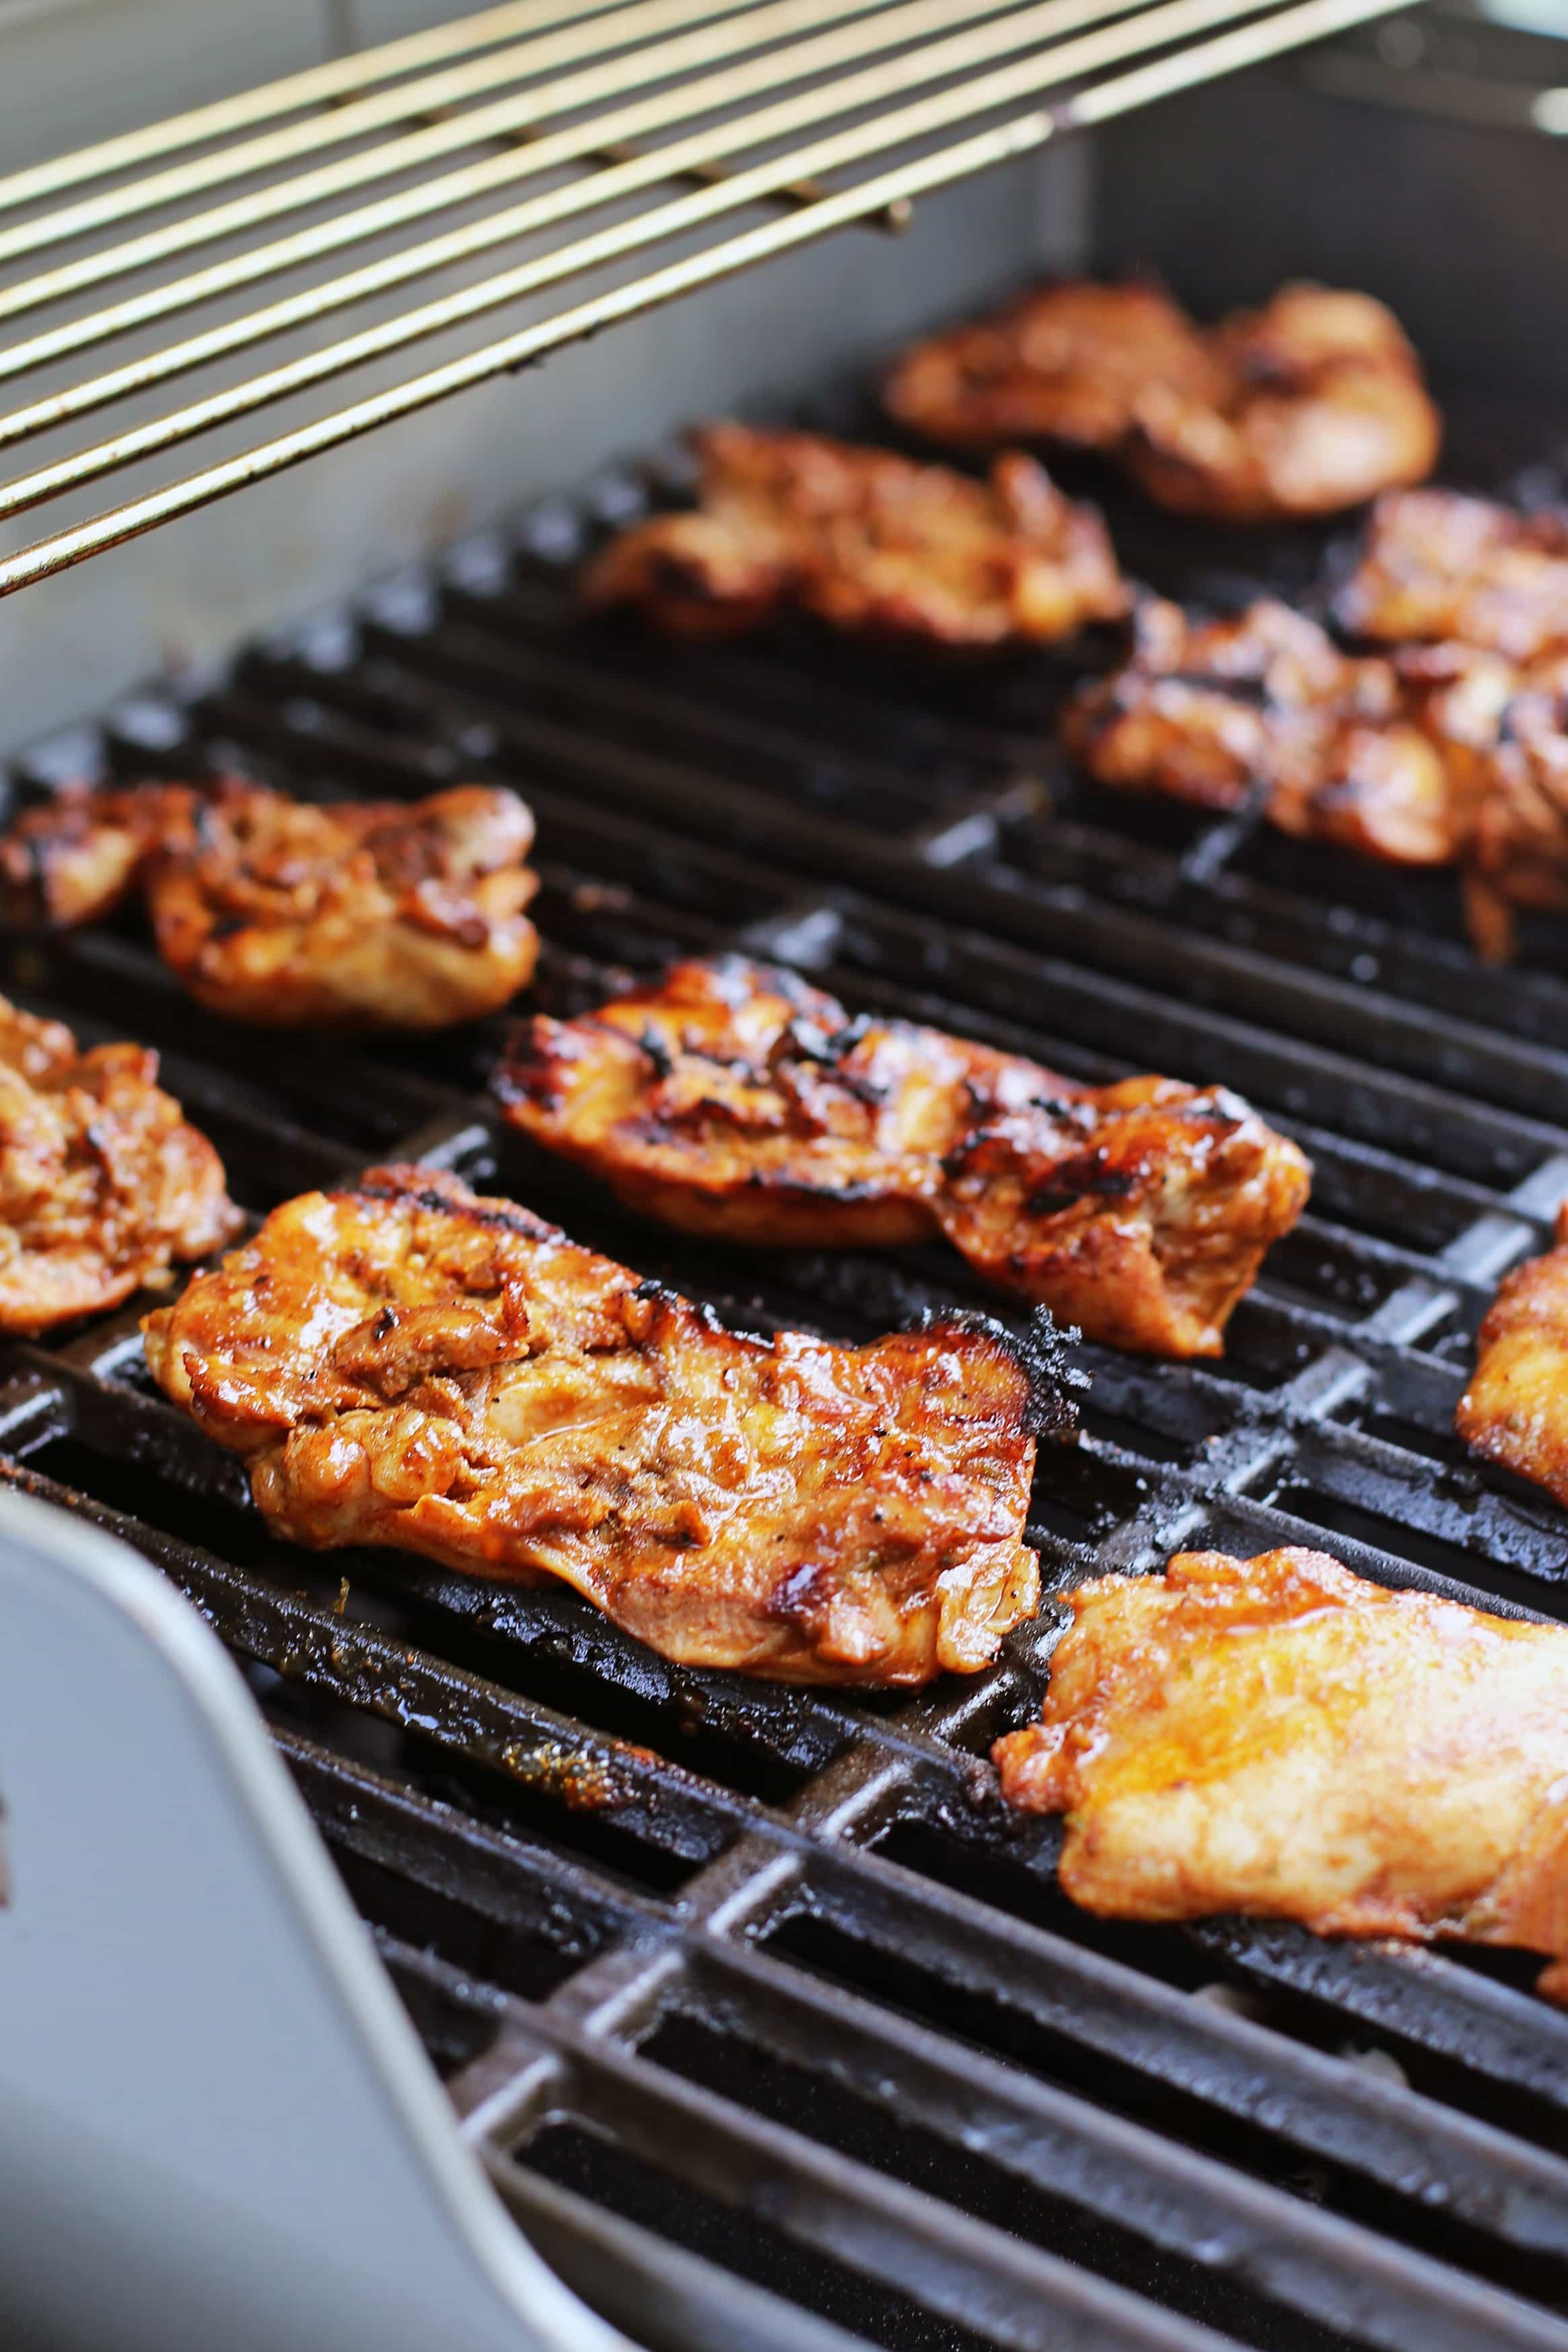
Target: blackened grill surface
{"type": "Point", "coordinates": [772, 2024]}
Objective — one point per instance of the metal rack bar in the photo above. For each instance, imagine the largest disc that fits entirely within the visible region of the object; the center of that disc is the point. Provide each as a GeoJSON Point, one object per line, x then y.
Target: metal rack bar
{"type": "Point", "coordinates": [316, 86]}
{"type": "Point", "coordinates": [518, 117]}
{"type": "Point", "coordinates": [667, 221]}
{"type": "Point", "coordinates": [909, 23]}
{"type": "Point", "coordinates": [809, 42]}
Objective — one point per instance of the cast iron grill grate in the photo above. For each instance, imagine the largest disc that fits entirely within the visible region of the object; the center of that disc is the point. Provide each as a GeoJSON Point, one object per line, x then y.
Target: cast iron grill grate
{"type": "Point", "coordinates": [767, 1979]}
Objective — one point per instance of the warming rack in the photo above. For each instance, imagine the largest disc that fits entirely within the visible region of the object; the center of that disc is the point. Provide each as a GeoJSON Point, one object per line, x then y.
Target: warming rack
{"type": "Point", "coordinates": [777, 124]}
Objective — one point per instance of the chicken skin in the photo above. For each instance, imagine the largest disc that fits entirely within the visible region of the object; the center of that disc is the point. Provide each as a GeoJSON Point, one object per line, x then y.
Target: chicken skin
{"type": "Point", "coordinates": [1324, 407]}
{"type": "Point", "coordinates": [1436, 564]}
{"type": "Point", "coordinates": [102, 1183]}
{"type": "Point", "coordinates": [1067, 363]}
{"type": "Point", "coordinates": [1278, 1737]}
{"type": "Point", "coordinates": [1310, 404]}
{"type": "Point", "coordinates": [731, 1099]}
{"type": "Point", "coordinates": [402, 915]}
{"type": "Point", "coordinates": [1515, 1410]}
{"type": "Point", "coordinates": [1265, 709]}
{"type": "Point", "coordinates": [409, 1365]}
{"type": "Point", "coordinates": [868, 543]}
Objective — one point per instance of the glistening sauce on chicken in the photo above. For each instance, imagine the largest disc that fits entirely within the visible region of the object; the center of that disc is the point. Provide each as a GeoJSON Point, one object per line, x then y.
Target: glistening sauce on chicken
{"type": "Point", "coordinates": [729, 1097]}
{"type": "Point", "coordinates": [1431, 755]}
{"type": "Point", "coordinates": [402, 915]}
{"type": "Point", "coordinates": [1278, 1737]}
{"type": "Point", "coordinates": [103, 1184]}
{"type": "Point", "coordinates": [1306, 407]}
{"type": "Point", "coordinates": [405, 1363]}
{"type": "Point", "coordinates": [868, 543]}
{"type": "Point", "coordinates": [1515, 1410]}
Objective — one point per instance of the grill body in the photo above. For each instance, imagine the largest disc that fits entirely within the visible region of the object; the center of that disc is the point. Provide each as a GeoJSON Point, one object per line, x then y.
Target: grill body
{"type": "Point", "coordinates": [766, 2021]}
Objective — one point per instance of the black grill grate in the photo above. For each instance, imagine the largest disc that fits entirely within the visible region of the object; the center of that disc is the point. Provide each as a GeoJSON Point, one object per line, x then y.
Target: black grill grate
{"type": "Point", "coordinates": [769, 1978]}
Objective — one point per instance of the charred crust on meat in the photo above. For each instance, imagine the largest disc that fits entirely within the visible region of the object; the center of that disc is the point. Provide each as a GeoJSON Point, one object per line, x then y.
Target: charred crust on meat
{"type": "Point", "coordinates": [412, 1188]}
{"type": "Point", "coordinates": [1041, 1351]}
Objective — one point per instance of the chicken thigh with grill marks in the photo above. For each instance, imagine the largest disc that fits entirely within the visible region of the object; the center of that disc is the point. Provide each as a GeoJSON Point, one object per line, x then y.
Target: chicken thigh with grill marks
{"type": "Point", "coordinates": [867, 542]}
{"type": "Point", "coordinates": [1433, 755]}
{"type": "Point", "coordinates": [290, 913]}
{"type": "Point", "coordinates": [1278, 1737]}
{"type": "Point", "coordinates": [732, 1098]}
{"type": "Point", "coordinates": [405, 1363]}
{"type": "Point", "coordinates": [103, 1185]}
{"type": "Point", "coordinates": [1265, 707]}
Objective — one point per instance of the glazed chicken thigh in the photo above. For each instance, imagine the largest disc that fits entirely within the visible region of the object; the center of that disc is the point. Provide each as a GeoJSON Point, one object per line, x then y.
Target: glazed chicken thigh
{"type": "Point", "coordinates": [1265, 707]}
{"type": "Point", "coordinates": [290, 913]}
{"type": "Point", "coordinates": [732, 1098]}
{"type": "Point", "coordinates": [1440, 565]}
{"type": "Point", "coordinates": [868, 543]}
{"type": "Point", "coordinates": [103, 1184]}
{"type": "Point", "coordinates": [1067, 363]}
{"type": "Point", "coordinates": [1515, 1410]}
{"type": "Point", "coordinates": [1431, 755]}
{"type": "Point", "coordinates": [406, 1363]}
{"type": "Point", "coordinates": [1306, 407]}
{"type": "Point", "coordinates": [1279, 1737]}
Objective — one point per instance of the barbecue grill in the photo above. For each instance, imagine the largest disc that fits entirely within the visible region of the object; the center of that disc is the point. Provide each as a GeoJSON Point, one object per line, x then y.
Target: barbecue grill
{"type": "Point", "coordinates": [767, 2022]}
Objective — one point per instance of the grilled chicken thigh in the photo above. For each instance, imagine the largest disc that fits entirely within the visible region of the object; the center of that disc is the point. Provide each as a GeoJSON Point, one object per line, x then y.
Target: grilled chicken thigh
{"type": "Point", "coordinates": [1435, 755]}
{"type": "Point", "coordinates": [1324, 407]}
{"type": "Point", "coordinates": [732, 1098]}
{"type": "Point", "coordinates": [1437, 564]}
{"type": "Point", "coordinates": [405, 915]}
{"type": "Point", "coordinates": [1278, 1737]}
{"type": "Point", "coordinates": [1265, 707]}
{"type": "Point", "coordinates": [102, 1183]}
{"type": "Point", "coordinates": [1518, 849]}
{"type": "Point", "coordinates": [867, 542]}
{"type": "Point", "coordinates": [1069, 362]}
{"type": "Point", "coordinates": [75, 859]}
{"type": "Point", "coordinates": [407, 1364]}
{"type": "Point", "coordinates": [1309, 404]}
{"type": "Point", "coordinates": [1515, 1410]}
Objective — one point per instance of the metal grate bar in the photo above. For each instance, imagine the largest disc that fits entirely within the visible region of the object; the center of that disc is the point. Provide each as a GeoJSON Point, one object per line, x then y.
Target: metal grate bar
{"type": "Point", "coordinates": [645, 48]}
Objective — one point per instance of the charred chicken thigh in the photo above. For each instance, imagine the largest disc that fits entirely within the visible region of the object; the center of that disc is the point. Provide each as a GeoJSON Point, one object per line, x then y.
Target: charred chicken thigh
{"type": "Point", "coordinates": [1433, 755]}
{"type": "Point", "coordinates": [1515, 1410]}
{"type": "Point", "coordinates": [732, 1098]}
{"type": "Point", "coordinates": [869, 543]}
{"type": "Point", "coordinates": [1264, 706]}
{"type": "Point", "coordinates": [103, 1185]}
{"type": "Point", "coordinates": [1278, 1737]}
{"type": "Point", "coordinates": [403, 914]}
{"type": "Point", "coordinates": [405, 1363]}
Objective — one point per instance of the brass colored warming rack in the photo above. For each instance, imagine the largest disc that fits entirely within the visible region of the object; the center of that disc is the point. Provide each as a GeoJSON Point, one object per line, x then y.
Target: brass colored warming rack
{"type": "Point", "coordinates": [673, 116]}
